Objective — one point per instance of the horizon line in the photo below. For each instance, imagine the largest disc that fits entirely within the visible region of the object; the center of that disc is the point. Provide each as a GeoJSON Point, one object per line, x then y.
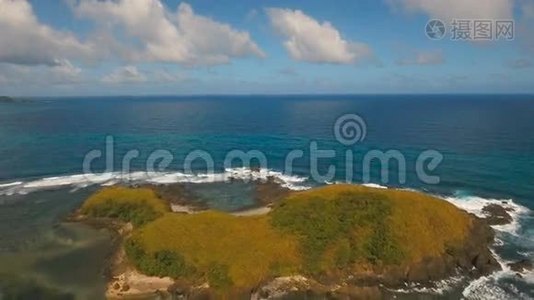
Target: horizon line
{"type": "Point", "coordinates": [273, 94]}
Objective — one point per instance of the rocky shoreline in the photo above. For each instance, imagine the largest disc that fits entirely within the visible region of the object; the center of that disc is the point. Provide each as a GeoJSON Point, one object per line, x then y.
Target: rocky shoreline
{"type": "Point", "coordinates": [472, 260]}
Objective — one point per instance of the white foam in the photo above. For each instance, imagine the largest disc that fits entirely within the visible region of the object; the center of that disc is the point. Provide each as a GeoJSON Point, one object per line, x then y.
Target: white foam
{"type": "Point", "coordinates": [489, 287]}
{"type": "Point", "coordinates": [485, 287]}
{"type": "Point", "coordinates": [374, 185]}
{"type": "Point", "coordinates": [106, 179]}
{"type": "Point", "coordinates": [436, 287]}
{"type": "Point", "coordinates": [11, 184]}
{"type": "Point", "coordinates": [291, 182]}
{"type": "Point", "coordinates": [475, 204]}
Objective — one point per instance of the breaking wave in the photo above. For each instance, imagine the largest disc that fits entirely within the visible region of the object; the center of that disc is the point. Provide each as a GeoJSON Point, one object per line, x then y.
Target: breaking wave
{"type": "Point", "coordinates": [106, 179]}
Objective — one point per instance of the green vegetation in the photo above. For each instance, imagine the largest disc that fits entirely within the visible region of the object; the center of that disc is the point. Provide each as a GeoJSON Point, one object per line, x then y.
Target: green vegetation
{"type": "Point", "coordinates": [218, 276]}
{"type": "Point", "coordinates": [160, 263]}
{"type": "Point", "coordinates": [321, 222]}
{"type": "Point", "coordinates": [138, 206]}
{"type": "Point", "coordinates": [339, 228]}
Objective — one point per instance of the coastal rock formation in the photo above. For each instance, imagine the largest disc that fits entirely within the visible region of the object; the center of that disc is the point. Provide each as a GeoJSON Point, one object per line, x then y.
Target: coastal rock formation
{"type": "Point", "coordinates": [521, 265]}
{"type": "Point", "coordinates": [496, 214]}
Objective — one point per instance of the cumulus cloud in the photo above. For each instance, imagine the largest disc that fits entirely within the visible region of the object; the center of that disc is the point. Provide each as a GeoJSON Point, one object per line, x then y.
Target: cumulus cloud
{"type": "Point", "coordinates": [63, 72]}
{"type": "Point", "coordinates": [25, 41]}
{"type": "Point", "coordinates": [448, 10]}
{"type": "Point", "coordinates": [126, 74]}
{"type": "Point", "coordinates": [180, 36]}
{"type": "Point", "coordinates": [131, 74]}
{"type": "Point", "coordinates": [433, 57]}
{"type": "Point", "coordinates": [312, 41]}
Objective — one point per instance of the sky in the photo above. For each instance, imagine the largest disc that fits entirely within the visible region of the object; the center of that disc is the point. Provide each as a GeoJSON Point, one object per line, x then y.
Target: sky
{"type": "Point", "coordinates": [170, 47]}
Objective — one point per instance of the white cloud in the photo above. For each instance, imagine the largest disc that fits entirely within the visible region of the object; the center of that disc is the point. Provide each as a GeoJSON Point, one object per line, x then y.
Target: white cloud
{"type": "Point", "coordinates": [181, 36]}
{"type": "Point", "coordinates": [126, 74]}
{"type": "Point", "coordinates": [448, 10]}
{"type": "Point", "coordinates": [433, 57]}
{"type": "Point", "coordinates": [131, 74]}
{"type": "Point", "coordinates": [61, 73]}
{"type": "Point", "coordinates": [25, 41]}
{"type": "Point", "coordinates": [311, 41]}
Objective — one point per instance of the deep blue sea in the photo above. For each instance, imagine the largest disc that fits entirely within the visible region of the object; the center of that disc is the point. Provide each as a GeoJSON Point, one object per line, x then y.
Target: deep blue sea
{"type": "Point", "coordinates": [486, 143]}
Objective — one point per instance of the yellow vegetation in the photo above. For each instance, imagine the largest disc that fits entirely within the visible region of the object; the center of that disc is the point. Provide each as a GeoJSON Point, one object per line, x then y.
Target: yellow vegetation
{"type": "Point", "coordinates": [248, 246]}
{"type": "Point", "coordinates": [138, 206]}
{"type": "Point", "coordinates": [422, 225]}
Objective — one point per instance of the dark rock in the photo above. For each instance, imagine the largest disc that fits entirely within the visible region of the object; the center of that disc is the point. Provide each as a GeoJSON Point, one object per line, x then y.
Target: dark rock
{"type": "Point", "coordinates": [418, 273]}
{"type": "Point", "coordinates": [463, 262]}
{"type": "Point", "coordinates": [264, 294]}
{"type": "Point", "coordinates": [255, 168]}
{"type": "Point", "coordinates": [125, 287]}
{"type": "Point", "coordinates": [450, 263]}
{"type": "Point", "coordinates": [471, 257]}
{"type": "Point", "coordinates": [394, 277]}
{"type": "Point", "coordinates": [496, 215]}
{"type": "Point", "coordinates": [364, 292]}
{"type": "Point", "coordinates": [269, 192]}
{"type": "Point", "coordinates": [522, 265]}
{"type": "Point", "coordinates": [485, 262]}
{"type": "Point", "coordinates": [179, 194]}
{"type": "Point", "coordinates": [476, 249]}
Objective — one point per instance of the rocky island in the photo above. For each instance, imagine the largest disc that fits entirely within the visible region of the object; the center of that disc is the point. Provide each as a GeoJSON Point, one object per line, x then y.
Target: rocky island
{"type": "Point", "coordinates": [7, 99]}
{"type": "Point", "coordinates": [336, 241]}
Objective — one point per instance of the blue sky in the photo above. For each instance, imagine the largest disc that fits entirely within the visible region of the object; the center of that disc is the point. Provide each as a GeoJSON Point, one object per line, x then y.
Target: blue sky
{"type": "Point", "coordinates": [139, 47]}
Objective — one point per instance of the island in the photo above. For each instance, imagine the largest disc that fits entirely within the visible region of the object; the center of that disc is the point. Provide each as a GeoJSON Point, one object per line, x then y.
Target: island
{"type": "Point", "coordinates": [336, 241]}
{"type": "Point", "coordinates": [7, 99]}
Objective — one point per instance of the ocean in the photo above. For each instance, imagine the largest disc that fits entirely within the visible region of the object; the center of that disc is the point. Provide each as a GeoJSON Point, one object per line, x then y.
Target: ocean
{"type": "Point", "coordinates": [486, 145]}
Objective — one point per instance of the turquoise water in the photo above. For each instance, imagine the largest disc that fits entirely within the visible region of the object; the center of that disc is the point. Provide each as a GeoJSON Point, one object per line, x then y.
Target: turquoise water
{"type": "Point", "coordinates": [486, 142]}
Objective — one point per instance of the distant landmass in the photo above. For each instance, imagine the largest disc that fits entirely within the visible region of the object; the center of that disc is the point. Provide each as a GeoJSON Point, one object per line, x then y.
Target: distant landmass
{"type": "Point", "coordinates": [7, 99]}
{"type": "Point", "coordinates": [349, 236]}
